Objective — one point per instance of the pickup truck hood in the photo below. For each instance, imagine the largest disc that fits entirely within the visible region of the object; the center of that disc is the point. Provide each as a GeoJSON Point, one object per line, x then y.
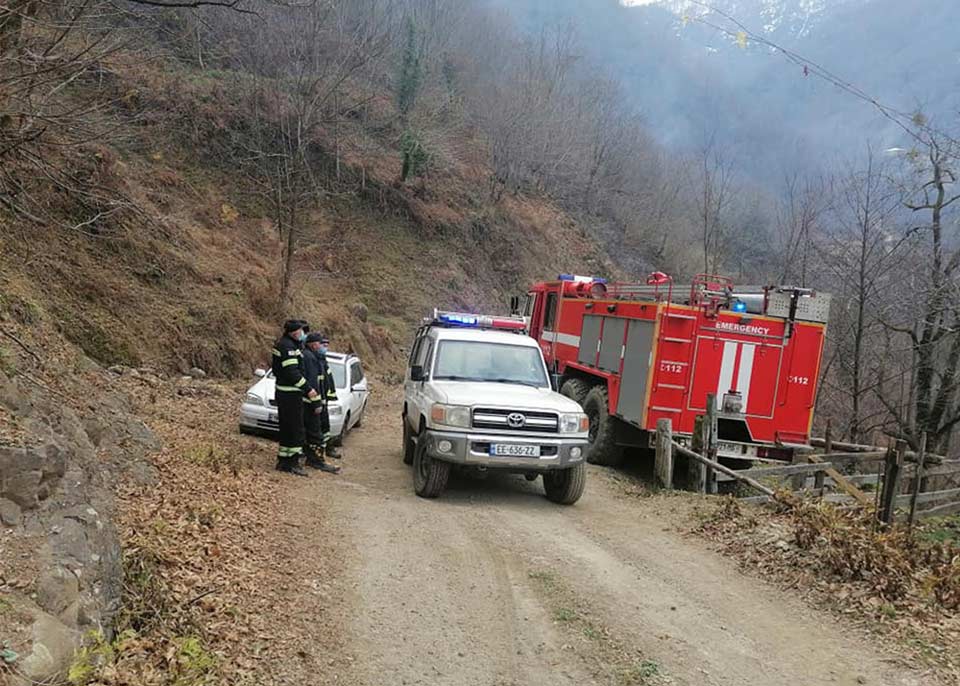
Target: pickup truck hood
{"type": "Point", "coordinates": [508, 396]}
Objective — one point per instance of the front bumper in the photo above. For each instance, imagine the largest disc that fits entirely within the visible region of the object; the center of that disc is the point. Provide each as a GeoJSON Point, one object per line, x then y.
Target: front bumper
{"type": "Point", "coordinates": [473, 449]}
{"type": "Point", "coordinates": [260, 418]}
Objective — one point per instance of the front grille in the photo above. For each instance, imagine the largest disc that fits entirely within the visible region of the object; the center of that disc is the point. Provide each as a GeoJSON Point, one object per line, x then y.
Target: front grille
{"type": "Point", "coordinates": [496, 418]}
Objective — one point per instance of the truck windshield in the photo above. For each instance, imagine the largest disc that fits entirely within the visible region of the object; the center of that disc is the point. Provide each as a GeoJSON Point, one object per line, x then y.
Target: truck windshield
{"type": "Point", "coordinates": [494, 362]}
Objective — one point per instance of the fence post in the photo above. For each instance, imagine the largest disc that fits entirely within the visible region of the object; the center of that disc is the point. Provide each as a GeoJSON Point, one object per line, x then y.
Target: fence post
{"type": "Point", "coordinates": [917, 478]}
{"type": "Point", "coordinates": [820, 477]}
{"type": "Point", "coordinates": [663, 462]}
{"type": "Point", "coordinates": [697, 470]}
{"type": "Point", "coordinates": [891, 481]}
{"type": "Point", "coordinates": [710, 442]}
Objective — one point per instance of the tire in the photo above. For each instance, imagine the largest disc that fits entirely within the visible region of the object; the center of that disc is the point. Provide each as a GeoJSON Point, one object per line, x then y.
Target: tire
{"type": "Point", "coordinates": [575, 389]}
{"type": "Point", "coordinates": [565, 486]}
{"type": "Point", "coordinates": [601, 449]}
{"type": "Point", "coordinates": [429, 475]}
{"type": "Point", "coordinates": [409, 445]}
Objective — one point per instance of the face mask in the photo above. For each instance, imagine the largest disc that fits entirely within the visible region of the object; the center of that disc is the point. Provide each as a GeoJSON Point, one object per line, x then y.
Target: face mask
{"type": "Point", "coordinates": [323, 349]}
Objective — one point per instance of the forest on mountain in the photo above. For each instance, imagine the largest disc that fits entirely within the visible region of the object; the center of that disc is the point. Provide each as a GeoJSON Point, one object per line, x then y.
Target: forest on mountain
{"type": "Point", "coordinates": [406, 152]}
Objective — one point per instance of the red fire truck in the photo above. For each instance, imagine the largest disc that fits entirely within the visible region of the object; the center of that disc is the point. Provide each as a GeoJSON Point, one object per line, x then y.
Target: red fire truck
{"type": "Point", "coordinates": [633, 353]}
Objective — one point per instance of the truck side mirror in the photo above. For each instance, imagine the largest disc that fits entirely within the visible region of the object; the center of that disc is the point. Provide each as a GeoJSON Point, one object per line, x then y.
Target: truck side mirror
{"type": "Point", "coordinates": [260, 372]}
{"type": "Point", "coordinates": [416, 373]}
{"type": "Point", "coordinates": [514, 304]}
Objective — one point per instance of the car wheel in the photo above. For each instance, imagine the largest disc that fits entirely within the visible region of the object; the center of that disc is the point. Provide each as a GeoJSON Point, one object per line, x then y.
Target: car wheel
{"type": "Point", "coordinates": [575, 389]}
{"type": "Point", "coordinates": [429, 475]}
{"type": "Point", "coordinates": [409, 445]}
{"type": "Point", "coordinates": [601, 447]}
{"type": "Point", "coordinates": [565, 486]}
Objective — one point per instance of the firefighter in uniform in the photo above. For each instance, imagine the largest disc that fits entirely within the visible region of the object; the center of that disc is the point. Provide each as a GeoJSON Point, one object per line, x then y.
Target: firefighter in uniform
{"type": "Point", "coordinates": [314, 409]}
{"type": "Point", "coordinates": [328, 391]}
{"type": "Point", "coordinates": [292, 387]}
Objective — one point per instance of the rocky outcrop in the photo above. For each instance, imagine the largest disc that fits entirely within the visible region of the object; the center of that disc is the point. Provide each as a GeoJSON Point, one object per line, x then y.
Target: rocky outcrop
{"type": "Point", "coordinates": [56, 508]}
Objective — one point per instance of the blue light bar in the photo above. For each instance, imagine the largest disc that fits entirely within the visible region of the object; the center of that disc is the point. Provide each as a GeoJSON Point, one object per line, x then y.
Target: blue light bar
{"type": "Point", "coordinates": [580, 279]}
{"type": "Point", "coordinates": [459, 319]}
{"type": "Point", "coordinates": [739, 306]}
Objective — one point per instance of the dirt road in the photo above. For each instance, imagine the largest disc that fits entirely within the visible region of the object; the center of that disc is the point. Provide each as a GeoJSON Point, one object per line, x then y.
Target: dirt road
{"type": "Point", "coordinates": [492, 585]}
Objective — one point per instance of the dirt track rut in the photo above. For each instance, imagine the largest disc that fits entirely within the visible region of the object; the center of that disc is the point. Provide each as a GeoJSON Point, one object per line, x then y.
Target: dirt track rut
{"type": "Point", "coordinates": [492, 585]}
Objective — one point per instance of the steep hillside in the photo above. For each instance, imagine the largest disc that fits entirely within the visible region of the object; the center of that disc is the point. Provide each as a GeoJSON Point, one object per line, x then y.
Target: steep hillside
{"type": "Point", "coordinates": [175, 262]}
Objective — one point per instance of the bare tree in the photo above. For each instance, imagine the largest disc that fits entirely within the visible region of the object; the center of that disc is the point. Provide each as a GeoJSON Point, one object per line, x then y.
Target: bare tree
{"type": "Point", "coordinates": [856, 254]}
{"type": "Point", "coordinates": [803, 202]}
{"type": "Point", "coordinates": [714, 185]}
{"type": "Point", "coordinates": [930, 321]}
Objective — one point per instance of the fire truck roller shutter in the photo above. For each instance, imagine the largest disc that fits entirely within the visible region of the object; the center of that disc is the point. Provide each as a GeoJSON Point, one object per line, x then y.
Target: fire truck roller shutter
{"type": "Point", "coordinates": [636, 370]}
{"type": "Point", "coordinates": [589, 338]}
{"type": "Point", "coordinates": [611, 345]}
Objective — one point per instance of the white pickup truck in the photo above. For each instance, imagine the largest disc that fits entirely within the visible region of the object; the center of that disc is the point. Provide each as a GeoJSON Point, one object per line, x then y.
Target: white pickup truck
{"type": "Point", "coordinates": [477, 394]}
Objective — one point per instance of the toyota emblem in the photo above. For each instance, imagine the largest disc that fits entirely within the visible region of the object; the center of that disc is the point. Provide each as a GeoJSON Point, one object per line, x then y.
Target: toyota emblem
{"type": "Point", "coordinates": [516, 420]}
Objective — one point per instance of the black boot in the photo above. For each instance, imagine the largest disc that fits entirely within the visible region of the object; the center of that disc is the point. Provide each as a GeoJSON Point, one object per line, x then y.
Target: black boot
{"type": "Point", "coordinates": [290, 465]}
{"type": "Point", "coordinates": [332, 451]}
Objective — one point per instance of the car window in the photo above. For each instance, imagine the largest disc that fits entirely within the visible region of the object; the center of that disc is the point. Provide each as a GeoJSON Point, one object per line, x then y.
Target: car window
{"type": "Point", "coordinates": [359, 369]}
{"type": "Point", "coordinates": [550, 315]}
{"type": "Point", "coordinates": [528, 305]}
{"type": "Point", "coordinates": [354, 376]}
{"type": "Point", "coordinates": [415, 351]}
{"type": "Point", "coordinates": [423, 354]}
{"type": "Point", "coordinates": [339, 372]}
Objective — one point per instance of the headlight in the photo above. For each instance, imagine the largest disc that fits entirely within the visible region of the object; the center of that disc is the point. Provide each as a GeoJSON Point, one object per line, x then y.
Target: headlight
{"type": "Point", "coordinates": [334, 409]}
{"type": "Point", "coordinates": [253, 399]}
{"type": "Point", "coordinates": [574, 423]}
{"type": "Point", "coordinates": [451, 415]}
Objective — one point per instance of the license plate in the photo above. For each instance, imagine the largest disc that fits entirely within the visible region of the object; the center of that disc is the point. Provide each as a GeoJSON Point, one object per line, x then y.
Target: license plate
{"type": "Point", "coordinates": [507, 450]}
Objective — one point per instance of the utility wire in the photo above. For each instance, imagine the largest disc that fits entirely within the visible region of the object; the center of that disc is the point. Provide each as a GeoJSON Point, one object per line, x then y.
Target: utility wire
{"type": "Point", "coordinates": [909, 123]}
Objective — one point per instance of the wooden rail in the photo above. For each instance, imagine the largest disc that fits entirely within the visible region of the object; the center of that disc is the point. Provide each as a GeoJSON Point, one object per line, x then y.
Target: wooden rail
{"type": "Point", "coordinates": [703, 468]}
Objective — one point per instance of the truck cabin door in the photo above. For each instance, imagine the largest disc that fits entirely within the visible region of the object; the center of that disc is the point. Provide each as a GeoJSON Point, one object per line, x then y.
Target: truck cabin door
{"type": "Point", "coordinates": [544, 322]}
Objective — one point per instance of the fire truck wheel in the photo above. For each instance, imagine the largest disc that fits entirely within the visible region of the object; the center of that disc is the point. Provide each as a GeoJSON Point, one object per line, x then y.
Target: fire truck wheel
{"type": "Point", "coordinates": [565, 486]}
{"type": "Point", "coordinates": [602, 448]}
{"type": "Point", "coordinates": [429, 475]}
{"type": "Point", "coordinates": [575, 389]}
{"type": "Point", "coordinates": [408, 443]}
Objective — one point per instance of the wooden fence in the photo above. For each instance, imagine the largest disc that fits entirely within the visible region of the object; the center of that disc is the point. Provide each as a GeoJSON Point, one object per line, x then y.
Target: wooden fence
{"type": "Point", "coordinates": [895, 481]}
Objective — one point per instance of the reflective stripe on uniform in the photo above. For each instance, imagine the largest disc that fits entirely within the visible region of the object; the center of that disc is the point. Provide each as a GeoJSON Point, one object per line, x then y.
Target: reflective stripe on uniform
{"type": "Point", "coordinates": [291, 389]}
{"type": "Point", "coordinates": [300, 383]}
{"type": "Point", "coordinates": [277, 352]}
{"type": "Point", "coordinates": [288, 362]}
{"type": "Point", "coordinates": [294, 353]}
{"type": "Point", "coordinates": [331, 393]}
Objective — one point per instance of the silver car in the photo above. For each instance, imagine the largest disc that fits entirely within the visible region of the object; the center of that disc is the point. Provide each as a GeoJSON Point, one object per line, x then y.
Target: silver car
{"type": "Point", "coordinates": [258, 414]}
